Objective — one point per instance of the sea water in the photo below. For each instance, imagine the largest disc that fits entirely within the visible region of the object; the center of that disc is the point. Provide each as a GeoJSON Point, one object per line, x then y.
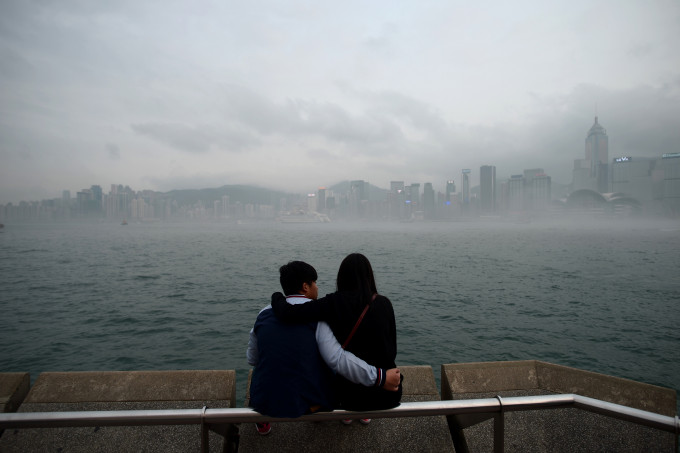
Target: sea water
{"type": "Point", "coordinates": [601, 296]}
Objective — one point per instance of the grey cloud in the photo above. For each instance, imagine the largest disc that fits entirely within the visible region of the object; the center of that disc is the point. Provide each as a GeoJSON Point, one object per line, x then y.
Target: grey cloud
{"type": "Point", "coordinates": [337, 124]}
{"type": "Point", "coordinates": [419, 114]}
{"type": "Point", "coordinates": [179, 136]}
{"type": "Point", "coordinates": [198, 139]}
{"type": "Point", "coordinates": [191, 181]}
{"type": "Point", "coordinates": [297, 118]}
{"type": "Point", "coordinates": [640, 50]}
{"type": "Point", "coordinates": [381, 44]}
{"type": "Point", "coordinates": [113, 151]}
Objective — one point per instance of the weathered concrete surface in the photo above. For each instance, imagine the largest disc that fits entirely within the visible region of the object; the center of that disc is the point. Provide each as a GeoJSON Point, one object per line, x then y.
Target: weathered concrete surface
{"type": "Point", "coordinates": [13, 390]}
{"type": "Point", "coordinates": [421, 434]}
{"type": "Point", "coordinates": [123, 390]}
{"type": "Point", "coordinates": [555, 430]}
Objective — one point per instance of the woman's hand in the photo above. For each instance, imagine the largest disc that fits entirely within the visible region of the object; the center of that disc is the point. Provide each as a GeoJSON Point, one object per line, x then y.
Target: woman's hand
{"type": "Point", "coordinates": [392, 380]}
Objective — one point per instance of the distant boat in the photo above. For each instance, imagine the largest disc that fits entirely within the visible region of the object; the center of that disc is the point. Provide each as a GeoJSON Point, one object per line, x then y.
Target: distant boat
{"type": "Point", "coordinates": [124, 222]}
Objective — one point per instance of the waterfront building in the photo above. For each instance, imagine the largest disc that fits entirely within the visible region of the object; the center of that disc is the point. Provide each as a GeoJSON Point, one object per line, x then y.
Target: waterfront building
{"type": "Point", "coordinates": [593, 171]}
{"type": "Point", "coordinates": [225, 206]}
{"type": "Point", "coordinates": [632, 176]}
{"type": "Point", "coordinates": [358, 198]}
{"type": "Point", "coordinates": [412, 201]}
{"type": "Point", "coordinates": [537, 189]}
{"type": "Point", "coordinates": [311, 202]}
{"type": "Point", "coordinates": [515, 194]}
{"type": "Point", "coordinates": [321, 199]}
{"type": "Point", "coordinates": [541, 192]}
{"type": "Point", "coordinates": [414, 195]}
{"type": "Point", "coordinates": [85, 199]}
{"type": "Point", "coordinates": [396, 200]}
{"type": "Point", "coordinates": [450, 190]}
{"type": "Point", "coordinates": [465, 189]}
{"type": "Point", "coordinates": [669, 175]}
{"type": "Point", "coordinates": [487, 188]}
{"type": "Point", "coordinates": [428, 201]}
{"type": "Point", "coordinates": [530, 191]}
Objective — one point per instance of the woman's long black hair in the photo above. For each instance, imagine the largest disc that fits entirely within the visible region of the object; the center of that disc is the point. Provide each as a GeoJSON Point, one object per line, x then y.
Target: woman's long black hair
{"type": "Point", "coordinates": [356, 275]}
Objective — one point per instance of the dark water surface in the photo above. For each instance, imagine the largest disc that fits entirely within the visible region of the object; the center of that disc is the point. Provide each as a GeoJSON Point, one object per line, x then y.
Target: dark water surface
{"type": "Point", "coordinates": [603, 297]}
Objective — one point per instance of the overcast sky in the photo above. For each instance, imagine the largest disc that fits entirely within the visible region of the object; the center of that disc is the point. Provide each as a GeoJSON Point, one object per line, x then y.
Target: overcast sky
{"type": "Point", "coordinates": [295, 94]}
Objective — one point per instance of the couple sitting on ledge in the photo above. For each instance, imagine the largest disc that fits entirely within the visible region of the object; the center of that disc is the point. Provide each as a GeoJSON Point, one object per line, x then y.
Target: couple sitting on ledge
{"type": "Point", "coordinates": [300, 366]}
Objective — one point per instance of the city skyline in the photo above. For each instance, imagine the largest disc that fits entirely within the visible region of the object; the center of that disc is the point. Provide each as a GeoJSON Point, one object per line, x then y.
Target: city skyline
{"type": "Point", "coordinates": [181, 95]}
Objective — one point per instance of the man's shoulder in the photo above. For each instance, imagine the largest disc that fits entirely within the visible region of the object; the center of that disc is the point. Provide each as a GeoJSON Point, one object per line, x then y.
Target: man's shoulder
{"type": "Point", "coordinates": [265, 313]}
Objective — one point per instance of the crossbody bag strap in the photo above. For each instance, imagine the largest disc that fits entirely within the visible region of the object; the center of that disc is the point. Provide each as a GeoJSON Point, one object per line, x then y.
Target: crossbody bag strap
{"type": "Point", "coordinates": [361, 317]}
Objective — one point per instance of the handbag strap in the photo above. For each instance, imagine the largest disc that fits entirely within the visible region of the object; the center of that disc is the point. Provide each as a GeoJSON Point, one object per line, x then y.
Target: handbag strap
{"type": "Point", "coordinates": [361, 317]}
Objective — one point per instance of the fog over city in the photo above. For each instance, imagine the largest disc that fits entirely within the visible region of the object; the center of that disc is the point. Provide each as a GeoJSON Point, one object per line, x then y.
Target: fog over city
{"type": "Point", "coordinates": [294, 95]}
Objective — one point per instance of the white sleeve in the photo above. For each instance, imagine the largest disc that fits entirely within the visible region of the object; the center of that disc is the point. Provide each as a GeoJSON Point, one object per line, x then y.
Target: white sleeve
{"type": "Point", "coordinates": [252, 354]}
{"type": "Point", "coordinates": [344, 362]}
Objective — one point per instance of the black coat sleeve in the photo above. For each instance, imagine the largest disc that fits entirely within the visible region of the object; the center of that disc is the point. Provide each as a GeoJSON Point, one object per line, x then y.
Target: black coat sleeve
{"type": "Point", "coordinates": [314, 310]}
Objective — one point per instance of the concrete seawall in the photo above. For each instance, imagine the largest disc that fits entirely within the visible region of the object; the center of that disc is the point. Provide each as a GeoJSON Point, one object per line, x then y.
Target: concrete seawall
{"type": "Point", "coordinates": [567, 429]}
{"type": "Point", "coordinates": [122, 390]}
{"type": "Point", "coordinates": [556, 430]}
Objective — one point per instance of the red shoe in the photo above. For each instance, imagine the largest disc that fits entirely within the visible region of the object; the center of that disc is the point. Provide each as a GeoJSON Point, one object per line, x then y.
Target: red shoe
{"type": "Point", "coordinates": [263, 428]}
{"type": "Point", "coordinates": [364, 421]}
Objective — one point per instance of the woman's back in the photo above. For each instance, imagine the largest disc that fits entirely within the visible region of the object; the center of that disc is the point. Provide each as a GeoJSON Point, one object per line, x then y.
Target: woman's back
{"type": "Point", "coordinates": [374, 341]}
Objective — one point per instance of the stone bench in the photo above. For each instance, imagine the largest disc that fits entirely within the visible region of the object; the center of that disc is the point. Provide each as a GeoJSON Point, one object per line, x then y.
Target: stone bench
{"type": "Point", "coordinates": [13, 390]}
{"type": "Point", "coordinates": [123, 390]}
{"type": "Point", "coordinates": [422, 434]}
{"type": "Point", "coordinates": [554, 430]}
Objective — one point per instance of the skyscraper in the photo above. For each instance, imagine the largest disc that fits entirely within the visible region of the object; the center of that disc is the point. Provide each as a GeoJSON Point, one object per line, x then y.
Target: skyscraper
{"type": "Point", "coordinates": [597, 152]}
{"type": "Point", "coordinates": [593, 171]}
{"type": "Point", "coordinates": [397, 198]}
{"type": "Point", "coordinates": [321, 199]}
{"type": "Point", "coordinates": [487, 188]}
{"type": "Point", "coordinates": [450, 189]}
{"type": "Point", "coordinates": [428, 201]}
{"type": "Point", "coordinates": [465, 190]}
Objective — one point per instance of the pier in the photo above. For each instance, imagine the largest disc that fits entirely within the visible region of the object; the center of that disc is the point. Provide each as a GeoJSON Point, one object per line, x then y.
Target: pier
{"type": "Point", "coordinates": [491, 406]}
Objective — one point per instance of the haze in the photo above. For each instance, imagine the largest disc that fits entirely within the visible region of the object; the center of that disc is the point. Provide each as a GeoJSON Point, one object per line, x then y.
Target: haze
{"type": "Point", "coordinates": [294, 95]}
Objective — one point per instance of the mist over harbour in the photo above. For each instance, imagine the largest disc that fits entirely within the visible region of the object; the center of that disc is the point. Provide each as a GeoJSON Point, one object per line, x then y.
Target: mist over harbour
{"type": "Point", "coordinates": [600, 296]}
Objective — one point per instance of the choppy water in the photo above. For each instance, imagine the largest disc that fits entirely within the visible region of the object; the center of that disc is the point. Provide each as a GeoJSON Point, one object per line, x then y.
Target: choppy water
{"type": "Point", "coordinates": [601, 297]}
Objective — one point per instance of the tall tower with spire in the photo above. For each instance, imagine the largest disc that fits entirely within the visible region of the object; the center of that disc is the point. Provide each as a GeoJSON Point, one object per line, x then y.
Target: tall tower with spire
{"type": "Point", "coordinates": [597, 153]}
{"type": "Point", "coordinates": [592, 172]}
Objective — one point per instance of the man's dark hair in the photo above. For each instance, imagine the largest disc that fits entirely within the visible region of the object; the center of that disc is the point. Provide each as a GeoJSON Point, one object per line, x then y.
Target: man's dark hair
{"type": "Point", "coordinates": [294, 274]}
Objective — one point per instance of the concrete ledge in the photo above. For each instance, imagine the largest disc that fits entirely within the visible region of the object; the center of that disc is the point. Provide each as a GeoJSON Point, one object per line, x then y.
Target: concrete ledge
{"type": "Point", "coordinates": [422, 434]}
{"type": "Point", "coordinates": [123, 390]}
{"type": "Point", "coordinates": [109, 386]}
{"type": "Point", "coordinates": [13, 390]}
{"type": "Point", "coordinates": [556, 430]}
{"type": "Point", "coordinates": [647, 397]}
